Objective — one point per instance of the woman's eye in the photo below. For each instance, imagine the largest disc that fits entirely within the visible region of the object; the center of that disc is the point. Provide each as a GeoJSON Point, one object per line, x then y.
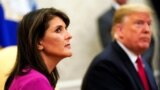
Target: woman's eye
{"type": "Point", "coordinates": [58, 30]}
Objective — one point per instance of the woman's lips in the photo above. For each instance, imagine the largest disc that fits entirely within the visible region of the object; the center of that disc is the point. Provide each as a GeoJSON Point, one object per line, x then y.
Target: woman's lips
{"type": "Point", "coordinates": [68, 46]}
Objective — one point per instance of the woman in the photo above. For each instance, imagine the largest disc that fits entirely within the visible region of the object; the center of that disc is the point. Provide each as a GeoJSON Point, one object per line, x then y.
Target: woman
{"type": "Point", "coordinates": [43, 40]}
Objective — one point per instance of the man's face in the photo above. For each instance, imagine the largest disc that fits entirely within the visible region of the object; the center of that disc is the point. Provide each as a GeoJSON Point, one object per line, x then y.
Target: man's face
{"type": "Point", "coordinates": [136, 31]}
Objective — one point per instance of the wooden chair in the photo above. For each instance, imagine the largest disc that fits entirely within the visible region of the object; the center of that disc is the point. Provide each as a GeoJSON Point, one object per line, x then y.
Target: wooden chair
{"type": "Point", "coordinates": [7, 60]}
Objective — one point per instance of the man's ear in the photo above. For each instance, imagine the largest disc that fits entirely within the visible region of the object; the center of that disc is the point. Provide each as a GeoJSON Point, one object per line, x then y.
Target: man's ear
{"type": "Point", "coordinates": [40, 46]}
{"type": "Point", "coordinates": [119, 30]}
{"type": "Point", "coordinates": [119, 26]}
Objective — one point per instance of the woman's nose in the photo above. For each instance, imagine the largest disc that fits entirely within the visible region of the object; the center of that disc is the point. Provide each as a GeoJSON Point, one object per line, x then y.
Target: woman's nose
{"type": "Point", "coordinates": [68, 35]}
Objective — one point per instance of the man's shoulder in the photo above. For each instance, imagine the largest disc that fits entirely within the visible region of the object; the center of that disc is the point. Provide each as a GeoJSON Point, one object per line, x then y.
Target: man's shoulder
{"type": "Point", "coordinates": [107, 13]}
{"type": "Point", "coordinates": [107, 55]}
{"type": "Point", "coordinates": [111, 54]}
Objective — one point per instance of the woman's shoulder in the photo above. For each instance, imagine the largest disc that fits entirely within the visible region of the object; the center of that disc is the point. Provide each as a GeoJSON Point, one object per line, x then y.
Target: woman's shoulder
{"type": "Point", "coordinates": [31, 74]}
{"type": "Point", "coordinates": [33, 79]}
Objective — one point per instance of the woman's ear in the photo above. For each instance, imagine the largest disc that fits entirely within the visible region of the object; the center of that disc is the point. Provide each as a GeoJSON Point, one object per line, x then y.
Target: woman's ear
{"type": "Point", "coordinates": [40, 46]}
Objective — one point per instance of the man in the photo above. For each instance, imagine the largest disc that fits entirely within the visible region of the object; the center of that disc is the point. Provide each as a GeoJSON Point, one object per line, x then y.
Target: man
{"type": "Point", "coordinates": [105, 22]}
{"type": "Point", "coordinates": [120, 65]}
{"type": "Point", "coordinates": [105, 25]}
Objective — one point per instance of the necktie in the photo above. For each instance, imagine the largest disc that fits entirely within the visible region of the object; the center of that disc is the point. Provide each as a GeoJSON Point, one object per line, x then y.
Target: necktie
{"type": "Point", "coordinates": [142, 74]}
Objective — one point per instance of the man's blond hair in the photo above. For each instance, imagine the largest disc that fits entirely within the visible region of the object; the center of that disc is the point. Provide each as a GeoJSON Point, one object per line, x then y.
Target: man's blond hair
{"type": "Point", "coordinates": [125, 10]}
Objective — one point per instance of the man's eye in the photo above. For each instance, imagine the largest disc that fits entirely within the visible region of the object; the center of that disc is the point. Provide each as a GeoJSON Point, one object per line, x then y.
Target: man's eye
{"type": "Point", "coordinates": [149, 23]}
{"type": "Point", "coordinates": [139, 22]}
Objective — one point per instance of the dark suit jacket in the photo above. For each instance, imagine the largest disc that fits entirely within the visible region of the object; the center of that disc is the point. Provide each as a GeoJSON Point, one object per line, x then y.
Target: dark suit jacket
{"type": "Point", "coordinates": [105, 25]}
{"type": "Point", "coordinates": [113, 70]}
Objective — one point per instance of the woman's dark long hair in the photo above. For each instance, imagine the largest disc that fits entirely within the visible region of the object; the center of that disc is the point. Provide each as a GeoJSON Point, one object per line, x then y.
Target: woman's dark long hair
{"type": "Point", "coordinates": [31, 29]}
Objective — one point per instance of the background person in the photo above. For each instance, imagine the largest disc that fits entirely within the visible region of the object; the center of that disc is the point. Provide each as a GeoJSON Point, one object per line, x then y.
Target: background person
{"type": "Point", "coordinates": [105, 23]}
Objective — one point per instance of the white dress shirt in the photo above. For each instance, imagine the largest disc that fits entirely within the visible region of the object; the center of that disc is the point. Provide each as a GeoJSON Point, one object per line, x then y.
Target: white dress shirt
{"type": "Point", "coordinates": [133, 57]}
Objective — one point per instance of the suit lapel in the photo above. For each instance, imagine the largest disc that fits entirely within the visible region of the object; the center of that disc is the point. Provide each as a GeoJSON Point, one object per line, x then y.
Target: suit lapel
{"type": "Point", "coordinates": [150, 76]}
{"type": "Point", "coordinates": [133, 73]}
{"type": "Point", "coordinates": [129, 65]}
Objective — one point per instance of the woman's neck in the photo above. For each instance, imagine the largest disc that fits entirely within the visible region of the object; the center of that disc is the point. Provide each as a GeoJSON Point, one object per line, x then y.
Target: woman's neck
{"type": "Point", "coordinates": [50, 62]}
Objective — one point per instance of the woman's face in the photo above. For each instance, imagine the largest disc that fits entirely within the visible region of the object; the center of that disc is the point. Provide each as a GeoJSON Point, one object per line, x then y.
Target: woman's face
{"type": "Point", "coordinates": [56, 40]}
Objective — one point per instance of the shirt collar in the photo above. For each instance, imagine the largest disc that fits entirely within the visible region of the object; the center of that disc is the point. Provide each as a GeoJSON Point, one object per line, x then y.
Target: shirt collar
{"type": "Point", "coordinates": [116, 5]}
{"type": "Point", "coordinates": [131, 55]}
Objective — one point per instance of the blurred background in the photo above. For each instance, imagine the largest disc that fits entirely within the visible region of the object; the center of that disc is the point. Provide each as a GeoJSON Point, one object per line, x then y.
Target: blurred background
{"type": "Point", "coordinates": [83, 27]}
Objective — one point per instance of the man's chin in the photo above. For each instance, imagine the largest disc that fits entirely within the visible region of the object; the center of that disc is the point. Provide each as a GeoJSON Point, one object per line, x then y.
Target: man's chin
{"type": "Point", "coordinates": [143, 49]}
